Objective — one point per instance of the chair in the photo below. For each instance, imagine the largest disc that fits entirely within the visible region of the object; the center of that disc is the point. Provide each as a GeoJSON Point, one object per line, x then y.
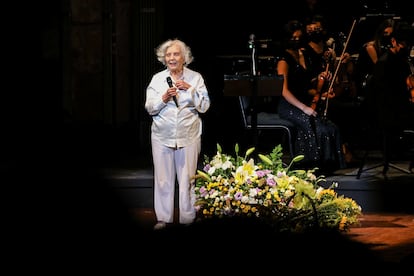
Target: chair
{"type": "Point", "coordinates": [267, 121]}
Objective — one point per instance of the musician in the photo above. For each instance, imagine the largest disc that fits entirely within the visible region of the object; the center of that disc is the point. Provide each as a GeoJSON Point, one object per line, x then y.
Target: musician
{"type": "Point", "coordinates": [388, 92]}
{"type": "Point", "coordinates": [317, 139]}
{"type": "Point", "coordinates": [371, 51]}
{"type": "Point", "coordinates": [322, 54]}
{"type": "Point", "coordinates": [328, 92]}
{"type": "Point", "coordinates": [387, 104]}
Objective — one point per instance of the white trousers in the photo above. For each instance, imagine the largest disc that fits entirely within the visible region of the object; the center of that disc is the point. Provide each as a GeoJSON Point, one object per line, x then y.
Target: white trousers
{"type": "Point", "coordinates": [172, 164]}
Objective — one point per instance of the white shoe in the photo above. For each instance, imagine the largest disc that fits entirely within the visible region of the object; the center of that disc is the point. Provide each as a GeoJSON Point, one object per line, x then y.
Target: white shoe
{"type": "Point", "coordinates": [160, 225]}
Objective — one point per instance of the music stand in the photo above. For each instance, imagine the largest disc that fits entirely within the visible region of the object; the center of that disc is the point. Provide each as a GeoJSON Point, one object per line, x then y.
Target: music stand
{"type": "Point", "coordinates": [237, 85]}
{"type": "Point", "coordinates": [253, 86]}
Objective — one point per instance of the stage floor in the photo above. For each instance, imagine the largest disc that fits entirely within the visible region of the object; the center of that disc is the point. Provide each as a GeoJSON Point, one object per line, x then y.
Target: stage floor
{"type": "Point", "coordinates": [386, 226]}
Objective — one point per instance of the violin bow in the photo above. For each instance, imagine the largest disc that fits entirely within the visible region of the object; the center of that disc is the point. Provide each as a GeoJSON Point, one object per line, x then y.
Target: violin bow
{"type": "Point", "coordinates": [337, 69]}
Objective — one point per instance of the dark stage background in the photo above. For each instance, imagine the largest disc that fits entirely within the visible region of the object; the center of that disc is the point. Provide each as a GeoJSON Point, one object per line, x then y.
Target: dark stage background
{"type": "Point", "coordinates": [76, 71]}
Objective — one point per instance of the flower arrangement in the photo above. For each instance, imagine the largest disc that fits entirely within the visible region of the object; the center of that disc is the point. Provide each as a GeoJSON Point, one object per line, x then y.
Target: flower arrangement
{"type": "Point", "coordinates": [290, 200]}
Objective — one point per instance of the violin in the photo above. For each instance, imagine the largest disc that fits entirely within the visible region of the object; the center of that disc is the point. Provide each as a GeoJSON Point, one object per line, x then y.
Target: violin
{"type": "Point", "coordinates": [321, 84]}
{"type": "Point", "coordinates": [317, 93]}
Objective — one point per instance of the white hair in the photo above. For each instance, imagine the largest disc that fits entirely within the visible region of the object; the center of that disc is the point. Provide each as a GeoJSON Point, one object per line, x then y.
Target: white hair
{"type": "Point", "coordinates": [185, 51]}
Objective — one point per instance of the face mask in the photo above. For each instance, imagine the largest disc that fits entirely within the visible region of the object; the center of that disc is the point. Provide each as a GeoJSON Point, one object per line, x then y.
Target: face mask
{"type": "Point", "coordinates": [295, 44]}
{"type": "Point", "coordinates": [386, 42]}
{"type": "Point", "coordinates": [315, 36]}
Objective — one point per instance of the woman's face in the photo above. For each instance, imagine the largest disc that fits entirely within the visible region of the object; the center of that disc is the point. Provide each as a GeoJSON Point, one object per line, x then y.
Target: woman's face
{"type": "Point", "coordinates": [297, 35]}
{"type": "Point", "coordinates": [174, 58]}
{"type": "Point", "coordinates": [295, 41]}
{"type": "Point", "coordinates": [387, 31]}
{"type": "Point", "coordinates": [314, 27]}
{"type": "Point", "coordinates": [315, 32]}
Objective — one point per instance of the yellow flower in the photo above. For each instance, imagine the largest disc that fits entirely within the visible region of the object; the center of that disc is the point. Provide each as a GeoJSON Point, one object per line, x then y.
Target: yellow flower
{"type": "Point", "coordinates": [235, 186]}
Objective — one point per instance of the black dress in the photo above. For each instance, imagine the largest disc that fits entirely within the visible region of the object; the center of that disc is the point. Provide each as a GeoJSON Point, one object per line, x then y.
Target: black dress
{"type": "Point", "coordinates": [317, 139]}
{"type": "Point", "coordinates": [387, 102]}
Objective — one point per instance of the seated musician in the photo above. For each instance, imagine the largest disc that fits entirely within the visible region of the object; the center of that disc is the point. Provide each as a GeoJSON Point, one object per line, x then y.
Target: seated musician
{"type": "Point", "coordinates": [317, 139]}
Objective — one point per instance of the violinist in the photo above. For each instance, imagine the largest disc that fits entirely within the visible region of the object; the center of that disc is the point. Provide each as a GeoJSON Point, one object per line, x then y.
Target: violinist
{"type": "Point", "coordinates": [387, 95]}
{"type": "Point", "coordinates": [370, 53]}
{"type": "Point", "coordinates": [387, 107]}
{"type": "Point", "coordinates": [321, 56]}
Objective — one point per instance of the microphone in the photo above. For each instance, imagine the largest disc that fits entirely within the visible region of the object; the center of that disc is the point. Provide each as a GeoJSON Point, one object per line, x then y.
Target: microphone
{"type": "Point", "coordinates": [251, 41]}
{"type": "Point", "coordinates": [252, 38]}
{"type": "Point", "coordinates": [170, 84]}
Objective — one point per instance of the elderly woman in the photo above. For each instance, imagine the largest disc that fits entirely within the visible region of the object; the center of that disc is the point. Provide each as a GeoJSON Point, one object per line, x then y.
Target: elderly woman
{"type": "Point", "coordinates": [174, 98]}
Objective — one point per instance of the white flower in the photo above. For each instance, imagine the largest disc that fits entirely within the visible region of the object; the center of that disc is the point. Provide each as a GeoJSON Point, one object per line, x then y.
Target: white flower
{"type": "Point", "coordinates": [234, 186]}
